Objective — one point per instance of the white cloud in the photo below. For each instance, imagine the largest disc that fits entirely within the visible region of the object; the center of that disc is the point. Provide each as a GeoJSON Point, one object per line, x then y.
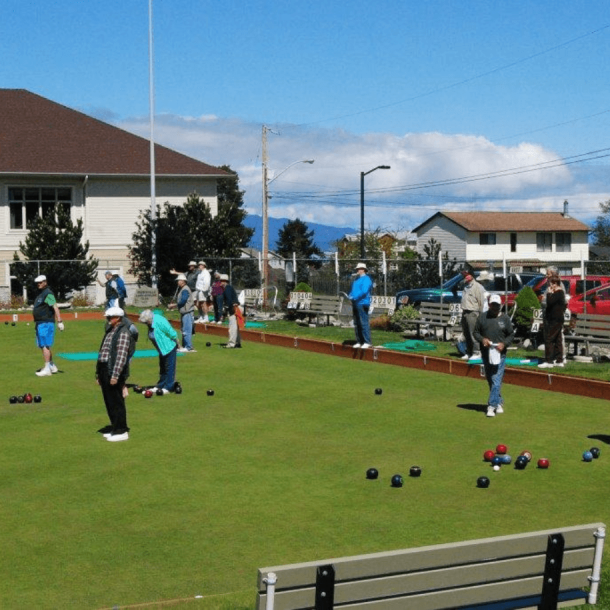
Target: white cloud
{"type": "Point", "coordinates": [328, 191]}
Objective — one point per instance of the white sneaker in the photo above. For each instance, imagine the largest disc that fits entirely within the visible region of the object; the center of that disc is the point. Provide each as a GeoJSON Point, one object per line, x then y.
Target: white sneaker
{"type": "Point", "coordinates": [191, 351]}
{"type": "Point", "coordinates": [115, 438]}
{"type": "Point", "coordinates": [165, 391]}
{"type": "Point", "coordinates": [45, 372]}
{"type": "Point", "coordinates": [476, 356]}
{"type": "Point", "coordinates": [366, 345]}
{"type": "Point", "coordinates": [465, 357]}
{"type": "Point", "coordinates": [182, 350]}
{"type": "Point", "coordinates": [491, 412]}
{"type": "Point", "coordinates": [54, 369]}
{"type": "Point", "coordinates": [356, 346]}
{"type": "Point", "coordinates": [559, 364]}
{"type": "Point", "coordinates": [546, 365]}
{"type": "Point", "coordinates": [499, 409]}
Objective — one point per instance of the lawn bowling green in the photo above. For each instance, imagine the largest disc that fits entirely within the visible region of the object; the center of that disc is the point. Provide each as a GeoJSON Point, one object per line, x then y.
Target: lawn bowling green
{"type": "Point", "coordinates": [269, 471]}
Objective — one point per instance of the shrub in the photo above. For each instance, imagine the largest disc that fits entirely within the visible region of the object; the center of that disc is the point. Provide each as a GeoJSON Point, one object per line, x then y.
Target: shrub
{"type": "Point", "coordinates": [402, 316]}
{"type": "Point", "coordinates": [525, 303]}
{"type": "Point", "coordinates": [15, 302]}
{"type": "Point", "coordinates": [80, 299]}
{"type": "Point", "coordinates": [302, 287]}
{"type": "Point", "coordinates": [382, 322]}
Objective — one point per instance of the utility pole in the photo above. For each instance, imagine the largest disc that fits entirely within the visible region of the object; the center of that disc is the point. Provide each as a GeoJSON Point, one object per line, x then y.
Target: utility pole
{"type": "Point", "coordinates": [264, 274]}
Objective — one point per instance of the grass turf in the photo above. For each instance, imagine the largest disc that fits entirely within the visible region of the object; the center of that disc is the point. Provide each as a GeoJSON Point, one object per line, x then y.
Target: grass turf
{"type": "Point", "coordinates": [269, 470]}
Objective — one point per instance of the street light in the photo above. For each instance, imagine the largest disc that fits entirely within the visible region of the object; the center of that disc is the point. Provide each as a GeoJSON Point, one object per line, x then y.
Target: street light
{"type": "Point", "coordinates": [362, 175]}
{"type": "Point", "coordinates": [266, 183]}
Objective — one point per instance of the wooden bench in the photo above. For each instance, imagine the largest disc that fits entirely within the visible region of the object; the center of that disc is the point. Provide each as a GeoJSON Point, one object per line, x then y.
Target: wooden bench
{"type": "Point", "coordinates": [253, 299]}
{"type": "Point", "coordinates": [437, 315]}
{"type": "Point", "coordinates": [588, 329]}
{"type": "Point", "coordinates": [544, 570]}
{"type": "Point", "coordinates": [320, 305]}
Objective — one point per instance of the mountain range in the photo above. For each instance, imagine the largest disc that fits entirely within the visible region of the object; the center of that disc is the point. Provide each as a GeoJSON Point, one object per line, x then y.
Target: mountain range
{"type": "Point", "coordinates": [324, 236]}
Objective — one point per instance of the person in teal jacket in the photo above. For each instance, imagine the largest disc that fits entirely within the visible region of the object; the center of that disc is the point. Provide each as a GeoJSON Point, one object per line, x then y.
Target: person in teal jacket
{"type": "Point", "coordinates": [360, 296]}
{"type": "Point", "coordinates": [165, 340]}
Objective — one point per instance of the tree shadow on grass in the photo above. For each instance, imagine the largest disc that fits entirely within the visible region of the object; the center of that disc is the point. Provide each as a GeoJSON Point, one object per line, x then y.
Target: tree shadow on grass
{"type": "Point", "coordinates": [604, 438]}
{"type": "Point", "coordinates": [470, 406]}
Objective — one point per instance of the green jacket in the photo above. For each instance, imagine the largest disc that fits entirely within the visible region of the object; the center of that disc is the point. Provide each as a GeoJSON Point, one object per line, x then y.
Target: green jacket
{"type": "Point", "coordinates": [163, 334]}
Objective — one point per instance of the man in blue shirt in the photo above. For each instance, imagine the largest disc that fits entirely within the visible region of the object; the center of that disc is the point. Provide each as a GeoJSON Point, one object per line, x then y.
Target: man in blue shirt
{"type": "Point", "coordinates": [360, 296]}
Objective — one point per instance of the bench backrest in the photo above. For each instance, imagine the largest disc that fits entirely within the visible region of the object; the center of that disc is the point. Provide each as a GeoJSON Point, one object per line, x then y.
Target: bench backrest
{"type": "Point", "coordinates": [325, 304]}
{"type": "Point", "coordinates": [592, 325]}
{"type": "Point", "coordinates": [444, 313]}
{"type": "Point", "coordinates": [381, 305]}
{"type": "Point", "coordinates": [446, 576]}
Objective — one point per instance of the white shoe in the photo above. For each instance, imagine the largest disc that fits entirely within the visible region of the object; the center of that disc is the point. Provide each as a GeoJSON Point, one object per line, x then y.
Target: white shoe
{"type": "Point", "coordinates": [107, 435]}
{"type": "Point", "coordinates": [546, 365]}
{"type": "Point", "coordinates": [491, 412]}
{"type": "Point", "coordinates": [356, 346]}
{"type": "Point", "coordinates": [54, 369]}
{"type": "Point", "coordinates": [559, 364]}
{"type": "Point", "coordinates": [366, 345]}
{"type": "Point", "coordinates": [45, 372]}
{"type": "Point", "coordinates": [476, 356]}
{"type": "Point", "coordinates": [165, 391]}
{"type": "Point", "coordinates": [465, 357]}
{"type": "Point", "coordinates": [191, 351]}
{"type": "Point", "coordinates": [499, 409]}
{"type": "Point", "coordinates": [115, 438]}
{"type": "Point", "coordinates": [182, 350]}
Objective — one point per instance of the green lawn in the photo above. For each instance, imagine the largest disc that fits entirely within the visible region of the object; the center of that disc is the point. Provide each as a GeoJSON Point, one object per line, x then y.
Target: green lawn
{"type": "Point", "coordinates": [269, 470]}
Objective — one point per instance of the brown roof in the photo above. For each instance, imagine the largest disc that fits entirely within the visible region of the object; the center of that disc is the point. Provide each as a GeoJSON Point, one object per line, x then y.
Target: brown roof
{"type": "Point", "coordinates": [512, 221]}
{"type": "Point", "coordinates": [38, 136]}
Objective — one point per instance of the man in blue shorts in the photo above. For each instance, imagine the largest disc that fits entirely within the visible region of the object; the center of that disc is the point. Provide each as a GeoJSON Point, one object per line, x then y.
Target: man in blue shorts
{"type": "Point", "coordinates": [45, 313]}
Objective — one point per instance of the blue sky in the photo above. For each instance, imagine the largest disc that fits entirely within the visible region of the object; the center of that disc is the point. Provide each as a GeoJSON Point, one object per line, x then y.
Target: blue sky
{"type": "Point", "coordinates": [437, 89]}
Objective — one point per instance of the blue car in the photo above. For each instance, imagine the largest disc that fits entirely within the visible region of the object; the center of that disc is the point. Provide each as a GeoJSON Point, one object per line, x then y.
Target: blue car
{"type": "Point", "coordinates": [451, 291]}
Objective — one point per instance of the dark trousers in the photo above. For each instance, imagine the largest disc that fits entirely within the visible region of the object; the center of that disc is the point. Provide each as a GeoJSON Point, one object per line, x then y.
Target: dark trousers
{"type": "Point", "coordinates": [553, 340]}
{"type": "Point", "coordinates": [113, 399]}
{"type": "Point", "coordinates": [167, 371]}
{"type": "Point", "coordinates": [217, 307]}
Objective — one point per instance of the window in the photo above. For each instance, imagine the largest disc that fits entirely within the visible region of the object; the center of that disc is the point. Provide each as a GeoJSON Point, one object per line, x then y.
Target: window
{"type": "Point", "coordinates": [513, 242]}
{"type": "Point", "coordinates": [487, 239]}
{"type": "Point", "coordinates": [28, 203]}
{"type": "Point", "coordinates": [544, 242]}
{"type": "Point", "coordinates": [563, 242]}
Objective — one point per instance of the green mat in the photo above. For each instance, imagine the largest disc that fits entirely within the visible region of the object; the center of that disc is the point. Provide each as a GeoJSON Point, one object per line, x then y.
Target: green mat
{"type": "Point", "coordinates": [144, 353]}
{"type": "Point", "coordinates": [412, 345]}
{"type": "Point", "coordinates": [513, 361]}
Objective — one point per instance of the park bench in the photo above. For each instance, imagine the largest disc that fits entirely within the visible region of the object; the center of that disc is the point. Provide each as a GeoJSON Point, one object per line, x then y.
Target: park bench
{"type": "Point", "coordinates": [544, 570]}
{"type": "Point", "coordinates": [588, 329]}
{"type": "Point", "coordinates": [437, 315]}
{"type": "Point", "coordinates": [323, 305]}
{"type": "Point", "coordinates": [253, 299]}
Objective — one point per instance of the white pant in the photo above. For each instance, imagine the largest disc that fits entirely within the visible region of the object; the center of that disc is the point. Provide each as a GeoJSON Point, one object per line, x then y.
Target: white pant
{"type": "Point", "coordinates": [234, 336]}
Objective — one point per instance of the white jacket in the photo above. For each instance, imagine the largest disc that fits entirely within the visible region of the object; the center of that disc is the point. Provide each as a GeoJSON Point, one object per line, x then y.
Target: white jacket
{"type": "Point", "coordinates": [204, 280]}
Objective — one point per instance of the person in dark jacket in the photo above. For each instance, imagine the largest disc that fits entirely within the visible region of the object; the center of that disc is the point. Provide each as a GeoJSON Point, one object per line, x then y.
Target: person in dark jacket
{"type": "Point", "coordinates": [112, 371]}
{"type": "Point", "coordinates": [494, 332]}
{"type": "Point", "coordinates": [552, 323]}
{"type": "Point", "coordinates": [231, 304]}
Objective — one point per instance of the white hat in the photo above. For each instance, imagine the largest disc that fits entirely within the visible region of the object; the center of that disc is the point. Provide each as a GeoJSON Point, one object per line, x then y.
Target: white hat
{"type": "Point", "coordinates": [360, 266]}
{"type": "Point", "coordinates": [224, 276]}
{"type": "Point", "coordinates": [495, 298]}
{"type": "Point", "coordinates": [111, 312]}
{"type": "Point", "coordinates": [192, 264]}
{"type": "Point", "coordinates": [40, 278]}
{"type": "Point", "coordinates": [181, 276]}
{"type": "Point", "coordinates": [202, 263]}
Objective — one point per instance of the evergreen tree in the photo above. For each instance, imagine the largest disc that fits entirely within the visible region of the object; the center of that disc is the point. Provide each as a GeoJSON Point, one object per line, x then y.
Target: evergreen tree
{"type": "Point", "coordinates": [295, 237]}
{"type": "Point", "coordinates": [54, 237]}
{"type": "Point", "coordinates": [190, 232]}
{"type": "Point", "coordinates": [601, 228]}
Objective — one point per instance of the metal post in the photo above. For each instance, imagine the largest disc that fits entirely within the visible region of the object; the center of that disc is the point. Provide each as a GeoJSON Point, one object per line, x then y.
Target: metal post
{"type": "Point", "coordinates": [265, 218]}
{"type": "Point", "coordinates": [270, 582]}
{"type": "Point", "coordinates": [362, 174]}
{"type": "Point", "coordinates": [600, 536]}
{"type": "Point", "coordinates": [153, 197]}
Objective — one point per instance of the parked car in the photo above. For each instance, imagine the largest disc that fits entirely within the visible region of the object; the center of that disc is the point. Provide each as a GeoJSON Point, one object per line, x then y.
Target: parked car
{"type": "Point", "coordinates": [596, 301]}
{"type": "Point", "coordinates": [451, 291]}
{"type": "Point", "coordinates": [573, 284]}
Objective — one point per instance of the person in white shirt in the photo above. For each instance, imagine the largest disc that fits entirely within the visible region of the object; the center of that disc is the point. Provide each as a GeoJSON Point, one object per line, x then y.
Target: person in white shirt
{"type": "Point", "coordinates": [202, 293]}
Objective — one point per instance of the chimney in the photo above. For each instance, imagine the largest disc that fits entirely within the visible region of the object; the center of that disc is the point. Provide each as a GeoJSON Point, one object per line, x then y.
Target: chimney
{"type": "Point", "coordinates": [565, 209]}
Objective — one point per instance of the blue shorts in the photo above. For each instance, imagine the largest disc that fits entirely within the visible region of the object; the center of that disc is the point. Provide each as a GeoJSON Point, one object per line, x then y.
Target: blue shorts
{"type": "Point", "coordinates": [45, 334]}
